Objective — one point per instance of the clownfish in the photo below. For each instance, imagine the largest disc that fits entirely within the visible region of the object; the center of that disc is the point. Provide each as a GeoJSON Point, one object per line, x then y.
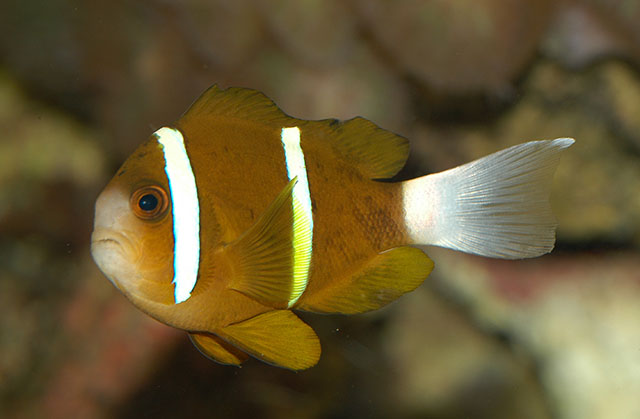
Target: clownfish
{"type": "Point", "coordinates": [227, 221]}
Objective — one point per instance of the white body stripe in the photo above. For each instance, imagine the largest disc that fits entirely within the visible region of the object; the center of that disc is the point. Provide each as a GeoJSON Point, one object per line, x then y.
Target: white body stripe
{"type": "Point", "coordinates": [186, 212]}
{"type": "Point", "coordinates": [303, 216]}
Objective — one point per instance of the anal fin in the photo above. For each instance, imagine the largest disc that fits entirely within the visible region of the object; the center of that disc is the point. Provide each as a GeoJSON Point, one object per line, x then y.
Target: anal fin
{"type": "Point", "coordinates": [386, 276]}
{"type": "Point", "coordinates": [277, 337]}
{"type": "Point", "coordinates": [217, 349]}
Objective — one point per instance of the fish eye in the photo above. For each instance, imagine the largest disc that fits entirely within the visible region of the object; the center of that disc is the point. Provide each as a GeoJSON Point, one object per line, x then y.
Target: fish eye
{"type": "Point", "coordinates": [149, 202]}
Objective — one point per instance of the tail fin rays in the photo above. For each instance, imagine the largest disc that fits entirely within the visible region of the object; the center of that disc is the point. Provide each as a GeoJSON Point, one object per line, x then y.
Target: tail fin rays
{"type": "Point", "coordinates": [496, 206]}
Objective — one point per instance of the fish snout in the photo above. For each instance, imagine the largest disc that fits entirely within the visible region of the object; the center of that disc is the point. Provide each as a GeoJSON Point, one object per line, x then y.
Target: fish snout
{"type": "Point", "coordinates": [114, 254]}
{"type": "Point", "coordinates": [113, 246]}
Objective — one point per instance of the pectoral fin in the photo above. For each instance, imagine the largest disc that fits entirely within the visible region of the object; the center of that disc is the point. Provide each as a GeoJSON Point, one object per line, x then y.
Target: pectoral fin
{"type": "Point", "coordinates": [277, 337]}
{"type": "Point", "coordinates": [217, 349]}
{"type": "Point", "coordinates": [383, 279]}
{"type": "Point", "coordinates": [263, 257]}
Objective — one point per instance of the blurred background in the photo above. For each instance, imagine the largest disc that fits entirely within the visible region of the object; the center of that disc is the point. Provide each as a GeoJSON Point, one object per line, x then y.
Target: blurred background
{"type": "Point", "coordinates": [83, 83]}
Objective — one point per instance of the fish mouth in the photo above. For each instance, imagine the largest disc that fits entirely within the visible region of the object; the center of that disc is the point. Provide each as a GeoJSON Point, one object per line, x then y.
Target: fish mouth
{"type": "Point", "coordinates": [106, 237]}
{"type": "Point", "coordinates": [112, 251]}
{"type": "Point", "coordinates": [110, 238]}
{"type": "Point", "coordinates": [102, 240]}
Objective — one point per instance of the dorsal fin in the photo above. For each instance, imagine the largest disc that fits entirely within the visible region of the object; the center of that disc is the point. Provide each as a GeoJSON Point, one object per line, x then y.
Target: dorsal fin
{"type": "Point", "coordinates": [239, 103]}
{"type": "Point", "coordinates": [377, 153]}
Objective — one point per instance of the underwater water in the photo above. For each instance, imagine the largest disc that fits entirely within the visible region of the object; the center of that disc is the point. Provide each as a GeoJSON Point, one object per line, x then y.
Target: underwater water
{"type": "Point", "coordinates": [82, 84]}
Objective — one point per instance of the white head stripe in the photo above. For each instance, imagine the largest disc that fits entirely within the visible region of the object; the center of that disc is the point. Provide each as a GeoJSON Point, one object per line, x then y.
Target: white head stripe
{"type": "Point", "coordinates": [186, 212]}
{"type": "Point", "coordinates": [302, 214]}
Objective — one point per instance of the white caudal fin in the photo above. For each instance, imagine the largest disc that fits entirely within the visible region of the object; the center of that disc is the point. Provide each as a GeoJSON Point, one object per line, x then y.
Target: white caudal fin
{"type": "Point", "coordinates": [496, 206]}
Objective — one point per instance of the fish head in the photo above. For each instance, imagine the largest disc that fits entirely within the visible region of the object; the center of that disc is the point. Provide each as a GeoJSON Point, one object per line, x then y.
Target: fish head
{"type": "Point", "coordinates": [132, 239]}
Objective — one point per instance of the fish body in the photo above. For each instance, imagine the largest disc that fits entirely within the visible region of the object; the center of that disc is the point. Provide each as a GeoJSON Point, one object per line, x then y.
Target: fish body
{"type": "Point", "coordinates": [226, 221]}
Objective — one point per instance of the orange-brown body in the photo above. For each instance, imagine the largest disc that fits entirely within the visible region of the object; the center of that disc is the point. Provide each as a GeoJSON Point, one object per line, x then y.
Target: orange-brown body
{"type": "Point", "coordinates": [239, 166]}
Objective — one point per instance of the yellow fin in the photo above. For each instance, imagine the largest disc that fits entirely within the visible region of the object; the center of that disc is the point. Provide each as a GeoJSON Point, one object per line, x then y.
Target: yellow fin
{"type": "Point", "coordinates": [277, 337]}
{"type": "Point", "coordinates": [263, 256]}
{"type": "Point", "coordinates": [217, 349]}
{"type": "Point", "coordinates": [239, 103]}
{"type": "Point", "coordinates": [383, 279]}
{"type": "Point", "coordinates": [378, 153]}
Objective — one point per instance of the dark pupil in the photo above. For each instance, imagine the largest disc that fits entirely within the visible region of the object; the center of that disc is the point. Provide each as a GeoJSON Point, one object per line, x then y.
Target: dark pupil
{"type": "Point", "coordinates": [148, 202]}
